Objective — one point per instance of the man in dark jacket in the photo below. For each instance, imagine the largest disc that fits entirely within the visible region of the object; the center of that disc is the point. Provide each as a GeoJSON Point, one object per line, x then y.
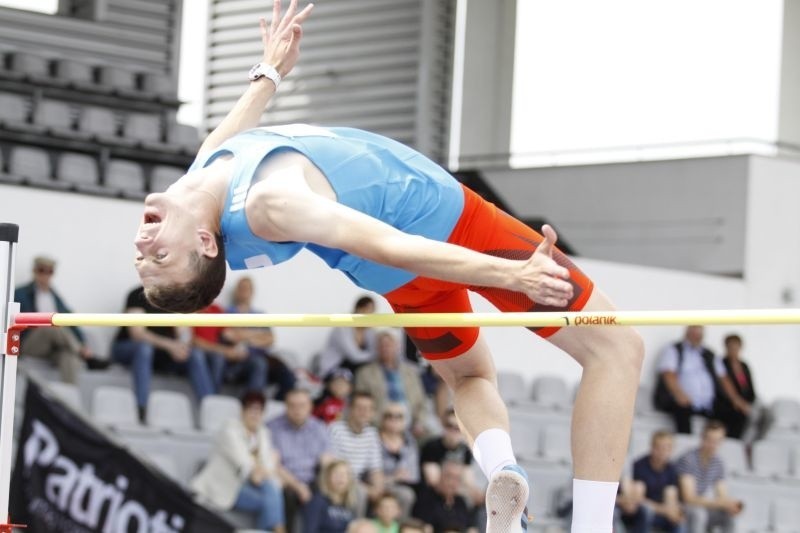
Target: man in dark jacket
{"type": "Point", "coordinates": [64, 347]}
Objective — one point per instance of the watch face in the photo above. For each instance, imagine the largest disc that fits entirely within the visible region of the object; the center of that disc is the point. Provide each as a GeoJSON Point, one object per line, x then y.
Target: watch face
{"type": "Point", "coordinates": [254, 72]}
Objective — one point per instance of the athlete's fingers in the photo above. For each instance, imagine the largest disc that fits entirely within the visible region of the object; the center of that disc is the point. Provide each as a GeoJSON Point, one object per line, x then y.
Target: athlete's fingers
{"type": "Point", "coordinates": [264, 32]}
{"type": "Point", "coordinates": [303, 15]}
{"type": "Point", "coordinates": [548, 244]}
{"type": "Point", "coordinates": [276, 17]}
{"type": "Point", "coordinates": [287, 17]}
{"type": "Point", "coordinates": [554, 301]}
{"type": "Point", "coordinates": [551, 268]}
{"type": "Point", "coordinates": [297, 33]}
{"type": "Point", "coordinates": [556, 284]}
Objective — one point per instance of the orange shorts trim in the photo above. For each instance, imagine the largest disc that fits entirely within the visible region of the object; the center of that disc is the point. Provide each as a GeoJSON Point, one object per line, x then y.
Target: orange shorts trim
{"type": "Point", "coordinates": [484, 228]}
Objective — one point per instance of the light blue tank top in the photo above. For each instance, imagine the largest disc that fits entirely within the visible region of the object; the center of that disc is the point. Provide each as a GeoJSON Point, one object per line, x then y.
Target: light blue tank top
{"type": "Point", "coordinates": [369, 173]}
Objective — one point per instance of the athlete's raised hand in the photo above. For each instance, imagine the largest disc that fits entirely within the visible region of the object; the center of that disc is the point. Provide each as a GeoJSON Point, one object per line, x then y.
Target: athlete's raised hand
{"type": "Point", "coordinates": [542, 279]}
{"type": "Point", "coordinates": [281, 38]}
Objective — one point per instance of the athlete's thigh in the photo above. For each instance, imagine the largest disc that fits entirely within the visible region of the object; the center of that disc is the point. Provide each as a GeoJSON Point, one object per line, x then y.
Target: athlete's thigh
{"type": "Point", "coordinates": [424, 295]}
{"type": "Point", "coordinates": [509, 238]}
{"type": "Point", "coordinates": [477, 361]}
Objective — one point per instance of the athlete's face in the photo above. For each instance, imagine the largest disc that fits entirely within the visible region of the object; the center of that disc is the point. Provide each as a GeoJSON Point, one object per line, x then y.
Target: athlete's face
{"type": "Point", "coordinates": [165, 241]}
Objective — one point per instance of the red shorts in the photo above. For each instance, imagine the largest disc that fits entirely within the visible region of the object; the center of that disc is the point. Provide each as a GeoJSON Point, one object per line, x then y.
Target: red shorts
{"type": "Point", "coordinates": [484, 228]}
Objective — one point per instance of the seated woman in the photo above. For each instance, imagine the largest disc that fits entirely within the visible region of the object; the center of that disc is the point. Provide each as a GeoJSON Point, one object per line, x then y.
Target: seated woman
{"type": "Point", "coordinates": [399, 455]}
{"type": "Point", "coordinates": [333, 506]}
{"type": "Point", "coordinates": [241, 473]}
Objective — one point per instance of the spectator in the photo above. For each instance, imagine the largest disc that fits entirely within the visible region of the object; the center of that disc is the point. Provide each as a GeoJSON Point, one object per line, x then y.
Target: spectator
{"type": "Point", "coordinates": [333, 400]}
{"type": "Point", "coordinates": [692, 380]}
{"type": "Point", "coordinates": [303, 444]}
{"type": "Point", "coordinates": [737, 414]}
{"type": "Point", "coordinates": [387, 513]}
{"type": "Point", "coordinates": [442, 506]}
{"type": "Point", "coordinates": [400, 456]}
{"type": "Point", "coordinates": [701, 478]}
{"type": "Point", "coordinates": [242, 472]}
{"type": "Point", "coordinates": [391, 378]}
{"type": "Point", "coordinates": [229, 361]}
{"type": "Point", "coordinates": [157, 348]}
{"type": "Point", "coordinates": [64, 347]}
{"type": "Point", "coordinates": [259, 341]}
{"type": "Point", "coordinates": [333, 506]}
{"type": "Point", "coordinates": [654, 502]}
{"type": "Point", "coordinates": [357, 441]}
{"type": "Point", "coordinates": [450, 446]}
{"type": "Point", "coordinates": [349, 347]}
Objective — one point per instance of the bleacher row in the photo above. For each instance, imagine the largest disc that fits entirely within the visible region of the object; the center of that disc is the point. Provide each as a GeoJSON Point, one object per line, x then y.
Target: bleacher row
{"type": "Point", "coordinates": [91, 123]}
{"type": "Point", "coordinates": [83, 172]}
{"type": "Point", "coordinates": [767, 479]}
{"type": "Point", "coordinates": [42, 70]}
{"type": "Point", "coordinates": [178, 438]}
{"type": "Point", "coordinates": [91, 128]}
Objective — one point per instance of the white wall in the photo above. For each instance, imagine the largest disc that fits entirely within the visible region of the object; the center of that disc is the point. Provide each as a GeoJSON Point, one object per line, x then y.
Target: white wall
{"type": "Point", "coordinates": [623, 73]}
{"type": "Point", "coordinates": [92, 239]}
{"type": "Point", "coordinates": [772, 266]}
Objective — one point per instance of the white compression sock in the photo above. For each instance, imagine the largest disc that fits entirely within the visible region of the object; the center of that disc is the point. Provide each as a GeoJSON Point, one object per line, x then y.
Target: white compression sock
{"type": "Point", "coordinates": [593, 505]}
{"type": "Point", "coordinates": [492, 451]}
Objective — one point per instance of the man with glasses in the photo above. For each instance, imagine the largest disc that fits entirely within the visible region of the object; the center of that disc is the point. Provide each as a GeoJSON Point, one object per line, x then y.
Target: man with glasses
{"type": "Point", "coordinates": [64, 347]}
{"type": "Point", "coordinates": [450, 446]}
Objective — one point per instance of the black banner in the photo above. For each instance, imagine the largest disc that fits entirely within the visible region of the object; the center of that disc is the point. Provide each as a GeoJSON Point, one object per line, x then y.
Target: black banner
{"type": "Point", "coordinates": [70, 478]}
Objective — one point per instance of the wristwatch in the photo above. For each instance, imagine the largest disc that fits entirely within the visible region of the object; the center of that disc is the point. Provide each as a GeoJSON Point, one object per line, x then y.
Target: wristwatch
{"type": "Point", "coordinates": [262, 70]}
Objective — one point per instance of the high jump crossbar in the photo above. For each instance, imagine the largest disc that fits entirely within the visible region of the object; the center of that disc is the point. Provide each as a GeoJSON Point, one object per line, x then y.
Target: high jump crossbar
{"type": "Point", "coordinates": [535, 319]}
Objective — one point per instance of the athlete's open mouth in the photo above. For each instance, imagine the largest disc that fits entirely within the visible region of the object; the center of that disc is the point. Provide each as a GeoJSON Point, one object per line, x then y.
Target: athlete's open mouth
{"type": "Point", "coordinates": [151, 219]}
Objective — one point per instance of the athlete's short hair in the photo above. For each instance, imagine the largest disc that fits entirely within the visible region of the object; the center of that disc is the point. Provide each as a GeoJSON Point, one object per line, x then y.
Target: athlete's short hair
{"type": "Point", "coordinates": [196, 293]}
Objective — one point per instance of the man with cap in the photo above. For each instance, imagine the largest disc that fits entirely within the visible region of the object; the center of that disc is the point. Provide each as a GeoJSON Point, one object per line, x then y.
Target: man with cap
{"type": "Point", "coordinates": [64, 347]}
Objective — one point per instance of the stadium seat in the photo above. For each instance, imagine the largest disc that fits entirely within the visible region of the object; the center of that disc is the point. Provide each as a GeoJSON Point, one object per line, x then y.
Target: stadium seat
{"type": "Point", "coordinates": [526, 439]}
{"type": "Point", "coordinates": [78, 169]}
{"type": "Point", "coordinates": [556, 443]}
{"type": "Point", "coordinates": [275, 409]}
{"type": "Point", "coordinates": [114, 406]}
{"type": "Point", "coordinates": [55, 116]}
{"type": "Point", "coordinates": [644, 400]}
{"type": "Point", "coordinates": [164, 176]}
{"type": "Point", "coordinates": [75, 72]}
{"type": "Point", "coordinates": [733, 454]}
{"type": "Point", "coordinates": [786, 414]}
{"type": "Point", "coordinates": [771, 458]}
{"type": "Point", "coordinates": [165, 463]}
{"type": "Point", "coordinates": [551, 391]}
{"type": "Point", "coordinates": [546, 483]}
{"type": "Point", "coordinates": [13, 109]}
{"type": "Point", "coordinates": [67, 393]}
{"type": "Point", "coordinates": [184, 137]}
{"type": "Point", "coordinates": [756, 497]}
{"type": "Point", "coordinates": [511, 386]}
{"type": "Point", "coordinates": [124, 176]}
{"type": "Point", "coordinates": [786, 514]}
{"type": "Point", "coordinates": [159, 84]}
{"type": "Point", "coordinates": [28, 64]}
{"type": "Point", "coordinates": [215, 410]}
{"type": "Point", "coordinates": [142, 127]}
{"type": "Point", "coordinates": [684, 443]}
{"type": "Point", "coordinates": [98, 121]}
{"type": "Point", "coordinates": [32, 163]}
{"type": "Point", "coordinates": [170, 411]}
{"type": "Point", "coordinates": [117, 78]}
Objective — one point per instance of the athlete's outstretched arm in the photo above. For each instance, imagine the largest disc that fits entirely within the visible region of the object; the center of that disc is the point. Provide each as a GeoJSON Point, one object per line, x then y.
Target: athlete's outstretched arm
{"type": "Point", "coordinates": [284, 208]}
{"type": "Point", "coordinates": [281, 49]}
